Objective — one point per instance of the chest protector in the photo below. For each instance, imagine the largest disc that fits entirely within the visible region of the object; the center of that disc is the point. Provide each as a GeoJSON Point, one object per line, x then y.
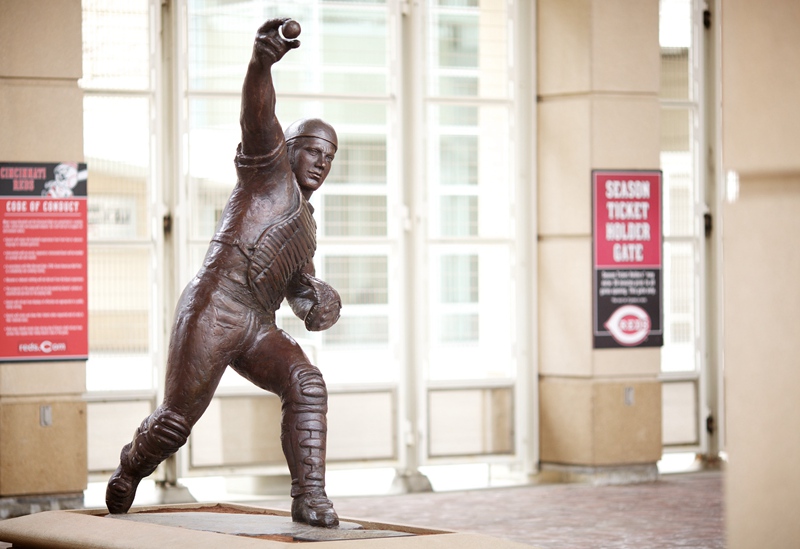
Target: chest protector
{"type": "Point", "coordinates": [280, 251]}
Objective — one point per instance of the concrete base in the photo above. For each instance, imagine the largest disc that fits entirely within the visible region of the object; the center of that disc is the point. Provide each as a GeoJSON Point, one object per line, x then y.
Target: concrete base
{"type": "Point", "coordinates": [17, 506]}
{"type": "Point", "coordinates": [411, 483]}
{"type": "Point", "coordinates": [169, 494]}
{"type": "Point", "coordinates": [220, 525]}
{"type": "Point", "coordinates": [598, 476]}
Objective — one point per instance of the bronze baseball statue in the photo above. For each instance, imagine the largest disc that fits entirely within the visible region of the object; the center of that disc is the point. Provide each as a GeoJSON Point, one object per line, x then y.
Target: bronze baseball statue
{"type": "Point", "coordinates": [261, 253]}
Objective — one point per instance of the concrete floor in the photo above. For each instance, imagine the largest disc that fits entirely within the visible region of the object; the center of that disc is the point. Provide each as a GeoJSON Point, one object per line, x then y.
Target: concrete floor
{"type": "Point", "coordinates": [679, 510]}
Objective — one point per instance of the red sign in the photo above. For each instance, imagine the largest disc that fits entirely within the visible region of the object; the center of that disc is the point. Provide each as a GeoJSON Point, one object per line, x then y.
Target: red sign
{"type": "Point", "coordinates": [44, 309]}
{"type": "Point", "coordinates": [627, 219]}
{"type": "Point", "coordinates": [627, 238]}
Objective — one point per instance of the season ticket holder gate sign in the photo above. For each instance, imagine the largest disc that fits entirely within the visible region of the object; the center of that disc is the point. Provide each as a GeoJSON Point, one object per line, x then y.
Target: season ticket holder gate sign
{"type": "Point", "coordinates": [44, 311]}
{"type": "Point", "coordinates": [627, 252]}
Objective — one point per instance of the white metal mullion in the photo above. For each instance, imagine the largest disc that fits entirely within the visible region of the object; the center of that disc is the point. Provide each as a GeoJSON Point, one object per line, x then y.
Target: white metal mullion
{"type": "Point", "coordinates": [719, 196]}
{"type": "Point", "coordinates": [416, 101]}
{"type": "Point", "coordinates": [526, 393]}
{"type": "Point", "coordinates": [701, 278]}
{"type": "Point", "coordinates": [177, 200]}
{"type": "Point", "coordinates": [699, 376]}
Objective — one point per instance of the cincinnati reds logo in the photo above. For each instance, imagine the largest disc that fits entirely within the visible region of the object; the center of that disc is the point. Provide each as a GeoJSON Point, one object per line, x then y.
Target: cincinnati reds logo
{"type": "Point", "coordinates": [629, 325]}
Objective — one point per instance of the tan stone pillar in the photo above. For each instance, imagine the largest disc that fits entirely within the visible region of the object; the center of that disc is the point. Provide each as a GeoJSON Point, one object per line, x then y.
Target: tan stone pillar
{"type": "Point", "coordinates": [760, 53]}
{"type": "Point", "coordinates": [598, 108]}
{"type": "Point", "coordinates": [42, 412]}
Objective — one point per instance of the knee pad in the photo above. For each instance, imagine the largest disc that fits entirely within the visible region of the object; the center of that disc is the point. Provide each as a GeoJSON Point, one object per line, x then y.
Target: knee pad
{"type": "Point", "coordinates": [170, 429]}
{"type": "Point", "coordinates": [306, 387]}
{"type": "Point", "coordinates": [158, 437]}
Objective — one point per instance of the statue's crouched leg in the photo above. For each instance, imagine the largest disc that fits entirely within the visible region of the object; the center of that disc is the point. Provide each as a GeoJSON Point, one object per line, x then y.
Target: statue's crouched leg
{"type": "Point", "coordinates": [158, 437]}
{"type": "Point", "coordinates": [303, 435]}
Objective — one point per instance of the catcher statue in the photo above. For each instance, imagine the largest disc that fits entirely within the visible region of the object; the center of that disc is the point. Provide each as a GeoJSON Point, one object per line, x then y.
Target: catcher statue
{"type": "Point", "coordinates": [262, 252]}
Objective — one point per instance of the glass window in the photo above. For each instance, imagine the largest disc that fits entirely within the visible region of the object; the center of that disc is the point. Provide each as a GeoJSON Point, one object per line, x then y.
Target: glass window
{"type": "Point", "coordinates": [470, 191]}
{"type": "Point", "coordinates": [459, 278]}
{"type": "Point", "coordinates": [118, 140]}
{"type": "Point", "coordinates": [459, 160]}
{"type": "Point", "coordinates": [678, 165]}
{"type": "Point", "coordinates": [469, 48]}
{"type": "Point", "coordinates": [360, 280]}
{"type": "Point", "coordinates": [344, 49]}
{"type": "Point", "coordinates": [355, 215]}
{"type": "Point", "coordinates": [682, 188]}
{"type": "Point", "coordinates": [680, 314]}
{"type": "Point", "coordinates": [469, 170]}
{"type": "Point", "coordinates": [470, 312]}
{"type": "Point", "coordinates": [117, 146]}
{"type": "Point", "coordinates": [459, 216]}
{"type": "Point", "coordinates": [675, 38]}
{"type": "Point", "coordinates": [361, 159]}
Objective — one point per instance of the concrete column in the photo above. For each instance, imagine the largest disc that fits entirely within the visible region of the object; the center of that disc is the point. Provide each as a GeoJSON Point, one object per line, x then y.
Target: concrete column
{"type": "Point", "coordinates": [42, 413]}
{"type": "Point", "coordinates": [598, 108]}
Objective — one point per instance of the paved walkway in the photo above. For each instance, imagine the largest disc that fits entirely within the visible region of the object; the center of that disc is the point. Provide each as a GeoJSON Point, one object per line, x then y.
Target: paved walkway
{"type": "Point", "coordinates": [682, 510]}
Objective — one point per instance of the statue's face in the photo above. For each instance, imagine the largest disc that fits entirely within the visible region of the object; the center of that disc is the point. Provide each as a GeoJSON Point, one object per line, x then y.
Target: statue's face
{"type": "Point", "coordinates": [311, 162]}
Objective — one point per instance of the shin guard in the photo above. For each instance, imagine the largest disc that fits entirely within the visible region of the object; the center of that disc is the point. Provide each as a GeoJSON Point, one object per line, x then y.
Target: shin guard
{"type": "Point", "coordinates": [303, 435]}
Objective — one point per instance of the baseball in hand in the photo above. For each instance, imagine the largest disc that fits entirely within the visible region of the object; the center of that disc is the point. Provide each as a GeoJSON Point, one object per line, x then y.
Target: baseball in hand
{"type": "Point", "coordinates": [290, 29]}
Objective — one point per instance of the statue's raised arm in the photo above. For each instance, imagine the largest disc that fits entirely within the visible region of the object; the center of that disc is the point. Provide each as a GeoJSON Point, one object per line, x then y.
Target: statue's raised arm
{"type": "Point", "coordinates": [261, 131]}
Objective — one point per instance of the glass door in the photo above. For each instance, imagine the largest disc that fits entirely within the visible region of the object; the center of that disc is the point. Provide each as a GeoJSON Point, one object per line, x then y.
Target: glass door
{"type": "Point", "coordinates": [468, 244]}
{"type": "Point", "coordinates": [684, 360]}
{"type": "Point", "coordinates": [121, 127]}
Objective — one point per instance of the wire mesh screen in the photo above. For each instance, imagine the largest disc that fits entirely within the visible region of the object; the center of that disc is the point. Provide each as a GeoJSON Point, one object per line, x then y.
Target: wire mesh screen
{"type": "Point", "coordinates": [119, 301]}
{"type": "Point", "coordinates": [116, 44]}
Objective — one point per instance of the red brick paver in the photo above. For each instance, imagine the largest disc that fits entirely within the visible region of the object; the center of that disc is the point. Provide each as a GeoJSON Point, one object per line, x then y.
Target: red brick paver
{"type": "Point", "coordinates": [677, 511]}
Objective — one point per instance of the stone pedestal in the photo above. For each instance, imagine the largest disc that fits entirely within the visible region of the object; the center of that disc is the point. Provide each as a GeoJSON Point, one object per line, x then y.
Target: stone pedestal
{"type": "Point", "coordinates": [221, 525]}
